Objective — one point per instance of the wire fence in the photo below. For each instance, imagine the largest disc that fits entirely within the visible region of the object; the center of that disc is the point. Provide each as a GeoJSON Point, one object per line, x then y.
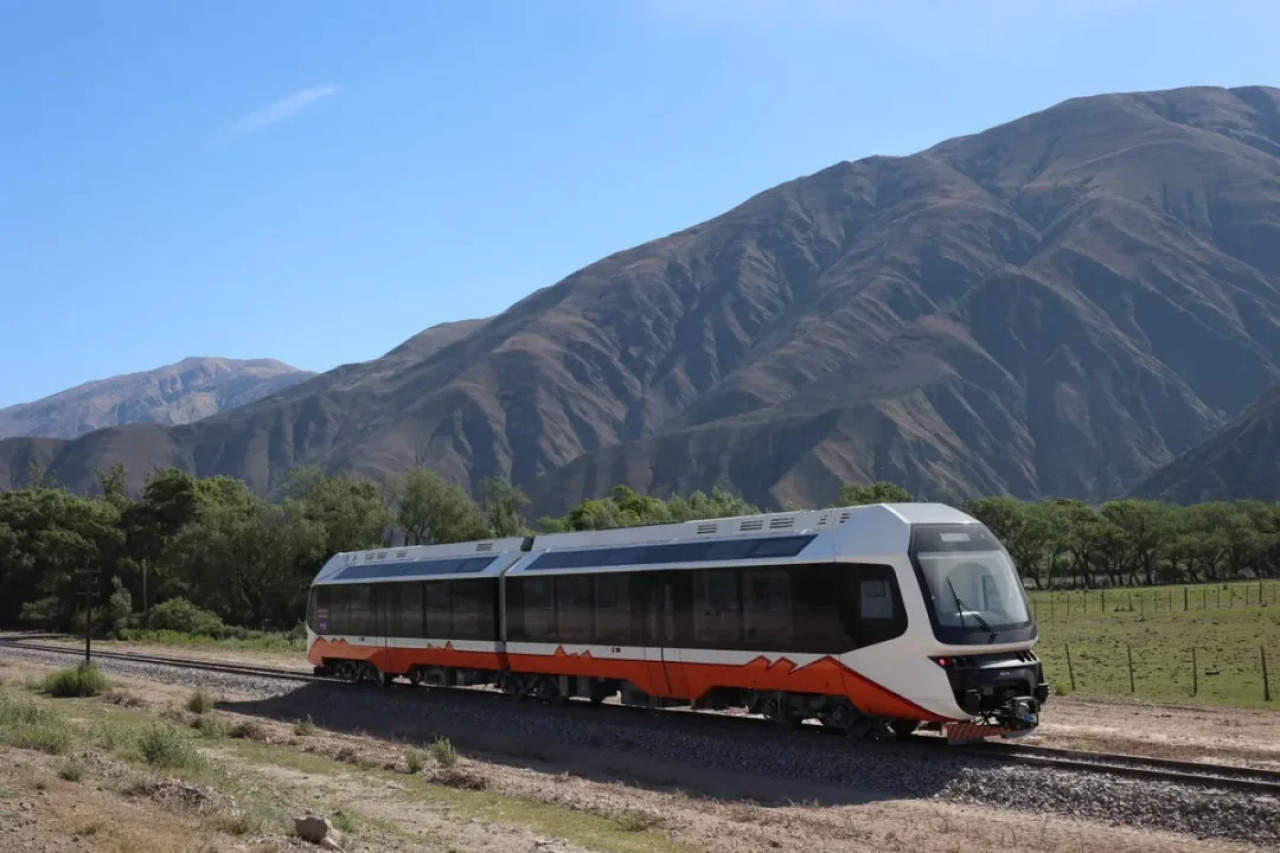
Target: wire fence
{"type": "Point", "coordinates": [1230, 674]}
{"type": "Point", "coordinates": [1070, 604]}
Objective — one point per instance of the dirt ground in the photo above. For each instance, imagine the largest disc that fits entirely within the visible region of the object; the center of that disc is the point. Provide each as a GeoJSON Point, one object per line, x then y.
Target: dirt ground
{"type": "Point", "coordinates": [539, 807]}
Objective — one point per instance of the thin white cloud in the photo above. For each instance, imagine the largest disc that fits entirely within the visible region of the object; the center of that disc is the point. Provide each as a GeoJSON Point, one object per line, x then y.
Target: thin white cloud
{"type": "Point", "coordinates": [277, 111]}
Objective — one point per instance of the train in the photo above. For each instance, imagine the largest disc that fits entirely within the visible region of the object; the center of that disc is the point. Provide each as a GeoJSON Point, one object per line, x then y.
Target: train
{"type": "Point", "coordinates": [874, 620]}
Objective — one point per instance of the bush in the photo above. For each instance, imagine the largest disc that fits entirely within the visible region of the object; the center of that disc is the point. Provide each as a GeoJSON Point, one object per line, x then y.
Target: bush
{"type": "Point", "coordinates": [304, 727]}
{"type": "Point", "coordinates": [457, 778]}
{"type": "Point", "coordinates": [343, 822]}
{"type": "Point", "coordinates": [414, 760]}
{"type": "Point", "coordinates": [637, 821]}
{"type": "Point", "coordinates": [85, 680]}
{"type": "Point", "coordinates": [163, 745]}
{"type": "Point", "coordinates": [71, 770]}
{"type": "Point", "coordinates": [43, 613]}
{"type": "Point", "coordinates": [211, 726]}
{"type": "Point", "coordinates": [178, 614]}
{"type": "Point", "coordinates": [249, 730]}
{"type": "Point", "coordinates": [200, 702]}
{"type": "Point", "coordinates": [443, 752]}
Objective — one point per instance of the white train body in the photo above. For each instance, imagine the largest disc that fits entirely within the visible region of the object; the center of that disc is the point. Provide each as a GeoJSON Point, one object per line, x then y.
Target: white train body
{"type": "Point", "coordinates": [895, 613]}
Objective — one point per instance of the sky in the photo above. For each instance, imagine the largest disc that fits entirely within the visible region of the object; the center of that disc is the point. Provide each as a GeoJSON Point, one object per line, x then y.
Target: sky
{"type": "Point", "coordinates": [317, 182]}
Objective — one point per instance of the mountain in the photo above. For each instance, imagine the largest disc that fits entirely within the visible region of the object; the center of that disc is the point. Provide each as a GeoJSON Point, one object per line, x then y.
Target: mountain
{"type": "Point", "coordinates": [192, 389]}
{"type": "Point", "coordinates": [1056, 306]}
{"type": "Point", "coordinates": [1239, 462]}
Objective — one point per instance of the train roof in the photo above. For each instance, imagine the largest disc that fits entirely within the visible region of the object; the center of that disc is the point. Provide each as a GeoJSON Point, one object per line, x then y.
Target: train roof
{"type": "Point", "coordinates": [878, 529]}
{"type": "Point", "coordinates": [419, 562]}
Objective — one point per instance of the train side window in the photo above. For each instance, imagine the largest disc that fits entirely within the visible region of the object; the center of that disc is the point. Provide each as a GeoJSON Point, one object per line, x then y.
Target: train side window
{"type": "Point", "coordinates": [339, 608]}
{"type": "Point", "coordinates": [437, 610]}
{"type": "Point", "coordinates": [403, 602]}
{"type": "Point", "coordinates": [612, 609]}
{"type": "Point", "coordinates": [361, 622]}
{"type": "Point", "coordinates": [573, 608]}
{"type": "Point", "coordinates": [471, 610]}
{"type": "Point", "coordinates": [716, 608]}
{"type": "Point", "coordinates": [766, 609]}
{"type": "Point", "coordinates": [881, 614]}
{"type": "Point", "coordinates": [531, 609]}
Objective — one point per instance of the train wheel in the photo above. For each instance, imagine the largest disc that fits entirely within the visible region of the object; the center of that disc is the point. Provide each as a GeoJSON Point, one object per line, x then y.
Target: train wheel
{"type": "Point", "coordinates": [378, 677]}
{"type": "Point", "coordinates": [349, 671]}
{"type": "Point", "coordinates": [840, 716]}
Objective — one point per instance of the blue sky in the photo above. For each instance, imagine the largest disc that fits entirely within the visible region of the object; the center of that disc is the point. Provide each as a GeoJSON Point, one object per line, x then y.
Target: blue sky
{"type": "Point", "coordinates": [316, 182]}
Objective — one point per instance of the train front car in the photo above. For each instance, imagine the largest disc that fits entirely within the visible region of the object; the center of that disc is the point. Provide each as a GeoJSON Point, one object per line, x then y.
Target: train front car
{"type": "Point", "coordinates": [967, 657]}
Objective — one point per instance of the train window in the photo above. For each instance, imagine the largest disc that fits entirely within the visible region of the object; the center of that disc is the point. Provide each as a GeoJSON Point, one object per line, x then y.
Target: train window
{"type": "Point", "coordinates": [613, 608]}
{"type": "Point", "coordinates": [877, 603]}
{"type": "Point", "coordinates": [361, 621]}
{"type": "Point", "coordinates": [573, 608]}
{"type": "Point", "coordinates": [716, 608]}
{"type": "Point", "coordinates": [472, 609]}
{"type": "Point", "coordinates": [437, 610]}
{"type": "Point", "coordinates": [766, 609]}
{"type": "Point", "coordinates": [531, 609]}
{"type": "Point", "coordinates": [403, 606]}
{"type": "Point", "coordinates": [450, 566]}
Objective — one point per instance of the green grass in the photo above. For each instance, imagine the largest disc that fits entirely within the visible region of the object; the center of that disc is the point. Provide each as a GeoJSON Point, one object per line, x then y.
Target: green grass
{"type": "Point", "coordinates": [1227, 642]}
{"type": "Point", "coordinates": [84, 680]}
{"type": "Point", "coordinates": [27, 724]}
{"type": "Point", "coordinates": [263, 641]}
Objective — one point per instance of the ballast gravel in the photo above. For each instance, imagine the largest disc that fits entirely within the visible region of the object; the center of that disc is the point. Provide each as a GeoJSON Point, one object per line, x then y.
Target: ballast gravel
{"type": "Point", "coordinates": [888, 771]}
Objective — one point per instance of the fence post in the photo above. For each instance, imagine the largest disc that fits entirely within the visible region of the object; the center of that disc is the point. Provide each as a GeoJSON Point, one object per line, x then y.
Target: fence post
{"type": "Point", "coordinates": [1071, 673]}
{"type": "Point", "coordinates": [1129, 651]}
{"type": "Point", "coordinates": [1130, 602]}
{"type": "Point", "coordinates": [1068, 604]}
{"type": "Point", "coordinates": [1104, 599]}
{"type": "Point", "coordinates": [1184, 599]}
{"type": "Point", "coordinates": [1266, 682]}
{"type": "Point", "coordinates": [1142, 604]}
{"type": "Point", "coordinates": [1195, 673]}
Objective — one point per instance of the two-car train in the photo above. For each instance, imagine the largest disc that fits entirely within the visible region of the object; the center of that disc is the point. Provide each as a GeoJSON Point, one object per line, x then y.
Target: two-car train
{"type": "Point", "coordinates": [866, 618]}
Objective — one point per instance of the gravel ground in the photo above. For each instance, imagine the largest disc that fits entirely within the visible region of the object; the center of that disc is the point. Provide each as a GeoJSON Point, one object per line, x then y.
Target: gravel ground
{"type": "Point", "coordinates": [877, 771]}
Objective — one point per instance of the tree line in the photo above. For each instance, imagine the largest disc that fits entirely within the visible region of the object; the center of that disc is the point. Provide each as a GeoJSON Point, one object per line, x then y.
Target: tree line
{"type": "Point", "coordinates": [210, 553]}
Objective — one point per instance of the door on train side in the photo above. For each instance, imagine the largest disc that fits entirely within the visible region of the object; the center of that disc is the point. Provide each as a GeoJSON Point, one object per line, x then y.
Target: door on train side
{"type": "Point", "coordinates": [677, 627]}
{"type": "Point", "coordinates": [650, 585]}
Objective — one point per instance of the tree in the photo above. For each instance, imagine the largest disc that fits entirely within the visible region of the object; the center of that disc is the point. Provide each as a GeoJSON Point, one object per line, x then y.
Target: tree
{"type": "Point", "coordinates": [503, 507]}
{"type": "Point", "coordinates": [431, 511]}
{"type": "Point", "coordinates": [353, 514]}
{"type": "Point", "coordinates": [882, 492]}
{"type": "Point", "coordinates": [1025, 529]}
{"type": "Point", "coordinates": [168, 504]}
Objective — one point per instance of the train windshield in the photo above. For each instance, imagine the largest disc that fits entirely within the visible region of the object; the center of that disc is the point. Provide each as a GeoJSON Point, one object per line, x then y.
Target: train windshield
{"type": "Point", "coordinates": [971, 583]}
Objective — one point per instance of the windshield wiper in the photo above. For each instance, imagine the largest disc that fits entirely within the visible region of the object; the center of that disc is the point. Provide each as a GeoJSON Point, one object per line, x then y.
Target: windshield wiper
{"type": "Point", "coordinates": [977, 617]}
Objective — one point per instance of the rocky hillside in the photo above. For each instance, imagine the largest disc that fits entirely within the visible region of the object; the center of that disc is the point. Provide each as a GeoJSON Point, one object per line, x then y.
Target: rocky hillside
{"type": "Point", "coordinates": [192, 389]}
{"type": "Point", "coordinates": [1242, 461]}
{"type": "Point", "coordinates": [1059, 305]}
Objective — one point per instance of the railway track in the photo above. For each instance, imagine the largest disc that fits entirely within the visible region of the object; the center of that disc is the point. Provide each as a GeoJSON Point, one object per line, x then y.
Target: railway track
{"type": "Point", "coordinates": [1259, 782]}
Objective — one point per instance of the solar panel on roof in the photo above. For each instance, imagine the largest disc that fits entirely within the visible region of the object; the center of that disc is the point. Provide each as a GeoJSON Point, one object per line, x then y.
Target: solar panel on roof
{"type": "Point", "coordinates": [417, 568]}
{"type": "Point", "coordinates": [679, 552]}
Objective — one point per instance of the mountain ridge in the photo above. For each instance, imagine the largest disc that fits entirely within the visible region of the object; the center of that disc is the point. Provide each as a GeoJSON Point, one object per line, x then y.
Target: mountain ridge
{"type": "Point", "coordinates": [1059, 305]}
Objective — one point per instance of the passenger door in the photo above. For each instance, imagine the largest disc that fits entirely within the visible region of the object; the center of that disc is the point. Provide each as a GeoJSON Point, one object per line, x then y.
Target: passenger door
{"type": "Point", "coordinates": [676, 605]}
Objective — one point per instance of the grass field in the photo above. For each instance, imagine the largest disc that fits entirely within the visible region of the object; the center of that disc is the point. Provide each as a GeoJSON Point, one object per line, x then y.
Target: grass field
{"type": "Point", "coordinates": [1227, 625]}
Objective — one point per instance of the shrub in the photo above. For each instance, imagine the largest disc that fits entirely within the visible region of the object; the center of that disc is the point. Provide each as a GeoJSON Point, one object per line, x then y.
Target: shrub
{"type": "Point", "coordinates": [43, 613]}
{"type": "Point", "coordinates": [249, 730]}
{"type": "Point", "coordinates": [457, 778]}
{"type": "Point", "coordinates": [343, 822]}
{"type": "Point", "coordinates": [200, 702]}
{"type": "Point", "coordinates": [304, 727]}
{"type": "Point", "coordinates": [443, 752]}
{"type": "Point", "coordinates": [163, 745]}
{"type": "Point", "coordinates": [414, 760]}
{"type": "Point", "coordinates": [71, 770]}
{"type": "Point", "coordinates": [178, 614]}
{"type": "Point", "coordinates": [85, 680]}
{"type": "Point", "coordinates": [211, 726]}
